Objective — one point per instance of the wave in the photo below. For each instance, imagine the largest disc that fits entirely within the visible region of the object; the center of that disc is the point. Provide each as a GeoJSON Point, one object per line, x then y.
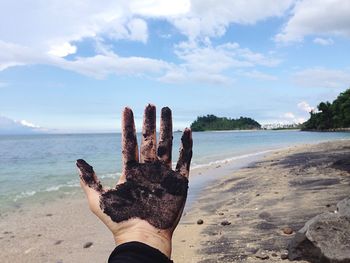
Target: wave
{"type": "Point", "coordinates": [55, 188]}
{"type": "Point", "coordinates": [230, 159]}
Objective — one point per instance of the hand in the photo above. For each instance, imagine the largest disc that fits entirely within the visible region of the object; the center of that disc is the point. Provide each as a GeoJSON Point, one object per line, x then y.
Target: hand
{"type": "Point", "coordinates": [147, 203]}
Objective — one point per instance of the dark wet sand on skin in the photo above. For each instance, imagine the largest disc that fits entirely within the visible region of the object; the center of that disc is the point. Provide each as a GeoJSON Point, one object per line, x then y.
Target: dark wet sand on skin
{"type": "Point", "coordinates": [284, 189]}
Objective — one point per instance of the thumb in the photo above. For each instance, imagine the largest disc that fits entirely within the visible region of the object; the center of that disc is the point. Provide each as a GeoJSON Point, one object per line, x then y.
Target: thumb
{"type": "Point", "coordinates": [90, 184]}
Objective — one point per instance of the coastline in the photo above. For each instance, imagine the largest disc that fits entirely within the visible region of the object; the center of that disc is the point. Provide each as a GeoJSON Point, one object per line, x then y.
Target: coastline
{"type": "Point", "coordinates": [57, 231]}
{"type": "Point", "coordinates": [283, 190]}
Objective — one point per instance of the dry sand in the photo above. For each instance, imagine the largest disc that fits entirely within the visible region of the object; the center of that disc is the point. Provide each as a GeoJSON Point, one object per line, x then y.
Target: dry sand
{"type": "Point", "coordinates": [285, 189]}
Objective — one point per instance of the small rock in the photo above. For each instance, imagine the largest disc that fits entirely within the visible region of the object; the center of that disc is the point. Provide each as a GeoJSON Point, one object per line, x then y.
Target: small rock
{"type": "Point", "coordinates": [49, 214]}
{"type": "Point", "coordinates": [238, 215]}
{"type": "Point", "coordinates": [284, 255]}
{"type": "Point", "coordinates": [87, 244]}
{"type": "Point", "coordinates": [58, 242]}
{"type": "Point", "coordinates": [38, 235]}
{"type": "Point", "coordinates": [257, 195]}
{"type": "Point", "coordinates": [287, 230]}
{"type": "Point", "coordinates": [264, 215]}
{"type": "Point", "coordinates": [261, 254]}
{"type": "Point", "coordinates": [274, 254]}
{"type": "Point", "coordinates": [200, 222]}
{"type": "Point", "coordinates": [328, 205]}
{"type": "Point", "coordinates": [225, 223]}
{"type": "Point", "coordinates": [221, 214]}
{"type": "Point", "coordinates": [276, 193]}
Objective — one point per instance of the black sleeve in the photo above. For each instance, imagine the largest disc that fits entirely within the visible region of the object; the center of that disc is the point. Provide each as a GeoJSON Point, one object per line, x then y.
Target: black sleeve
{"type": "Point", "coordinates": [137, 252]}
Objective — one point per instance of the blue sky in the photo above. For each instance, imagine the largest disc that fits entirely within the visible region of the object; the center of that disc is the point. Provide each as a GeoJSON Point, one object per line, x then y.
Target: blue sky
{"type": "Point", "coordinates": [72, 67]}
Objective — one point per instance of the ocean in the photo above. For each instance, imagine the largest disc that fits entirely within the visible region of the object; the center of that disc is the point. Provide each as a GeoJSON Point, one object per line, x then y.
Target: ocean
{"type": "Point", "coordinates": [42, 167]}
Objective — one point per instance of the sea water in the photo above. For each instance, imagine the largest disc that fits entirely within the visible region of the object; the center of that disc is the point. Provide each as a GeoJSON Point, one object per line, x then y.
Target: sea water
{"type": "Point", "coordinates": [36, 167]}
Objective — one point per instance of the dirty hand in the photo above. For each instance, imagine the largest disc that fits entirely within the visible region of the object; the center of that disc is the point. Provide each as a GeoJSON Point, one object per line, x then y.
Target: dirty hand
{"type": "Point", "coordinates": [147, 203]}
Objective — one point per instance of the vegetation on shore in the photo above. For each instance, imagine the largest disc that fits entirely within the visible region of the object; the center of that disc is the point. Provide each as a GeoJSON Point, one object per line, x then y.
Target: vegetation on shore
{"type": "Point", "coordinates": [330, 116]}
{"type": "Point", "coordinates": [214, 123]}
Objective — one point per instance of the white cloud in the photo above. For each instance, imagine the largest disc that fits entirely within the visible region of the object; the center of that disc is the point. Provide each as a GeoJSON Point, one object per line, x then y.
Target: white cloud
{"type": "Point", "coordinates": [212, 64]}
{"type": "Point", "coordinates": [290, 117]}
{"type": "Point", "coordinates": [28, 124]}
{"type": "Point", "coordinates": [304, 106]}
{"type": "Point", "coordinates": [100, 66]}
{"type": "Point", "coordinates": [10, 126]}
{"type": "Point", "coordinates": [160, 8]}
{"type": "Point", "coordinates": [14, 55]}
{"type": "Point", "coordinates": [138, 30]}
{"type": "Point", "coordinates": [62, 50]}
{"type": "Point", "coordinates": [324, 41]}
{"type": "Point", "coordinates": [323, 78]}
{"type": "Point", "coordinates": [67, 23]}
{"type": "Point", "coordinates": [211, 18]}
{"type": "Point", "coordinates": [314, 17]}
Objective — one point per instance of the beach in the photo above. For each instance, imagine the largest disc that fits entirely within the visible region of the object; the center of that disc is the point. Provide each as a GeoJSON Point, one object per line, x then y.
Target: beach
{"type": "Point", "coordinates": [245, 212]}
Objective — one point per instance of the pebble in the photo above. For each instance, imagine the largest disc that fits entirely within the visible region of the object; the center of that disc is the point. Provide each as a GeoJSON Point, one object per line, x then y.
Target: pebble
{"type": "Point", "coordinates": [225, 223]}
{"type": "Point", "coordinates": [257, 195]}
{"type": "Point", "coordinates": [87, 244]}
{"type": "Point", "coordinates": [287, 230]}
{"type": "Point", "coordinates": [58, 242]}
{"type": "Point", "coordinates": [200, 222]}
{"type": "Point", "coordinates": [264, 215]}
{"type": "Point", "coordinates": [49, 214]}
{"type": "Point", "coordinates": [284, 255]}
{"type": "Point", "coordinates": [262, 255]}
{"type": "Point", "coordinates": [221, 214]}
{"type": "Point", "coordinates": [274, 254]}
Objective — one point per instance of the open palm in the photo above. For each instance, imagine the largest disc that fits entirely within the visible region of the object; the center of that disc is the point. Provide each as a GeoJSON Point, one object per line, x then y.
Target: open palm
{"type": "Point", "coordinates": [148, 200]}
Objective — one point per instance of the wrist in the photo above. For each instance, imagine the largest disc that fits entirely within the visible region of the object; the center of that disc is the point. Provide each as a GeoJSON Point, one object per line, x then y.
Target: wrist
{"type": "Point", "coordinates": [147, 234]}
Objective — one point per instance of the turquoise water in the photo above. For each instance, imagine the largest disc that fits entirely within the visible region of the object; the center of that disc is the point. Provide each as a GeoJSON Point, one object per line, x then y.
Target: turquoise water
{"type": "Point", "coordinates": [35, 166]}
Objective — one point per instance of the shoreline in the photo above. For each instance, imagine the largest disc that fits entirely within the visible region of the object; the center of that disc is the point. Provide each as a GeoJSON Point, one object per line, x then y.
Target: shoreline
{"type": "Point", "coordinates": [57, 231]}
{"type": "Point", "coordinates": [246, 213]}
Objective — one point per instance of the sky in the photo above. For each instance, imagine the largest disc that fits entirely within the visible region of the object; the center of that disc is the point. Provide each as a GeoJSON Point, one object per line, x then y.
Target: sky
{"type": "Point", "coordinates": [72, 66]}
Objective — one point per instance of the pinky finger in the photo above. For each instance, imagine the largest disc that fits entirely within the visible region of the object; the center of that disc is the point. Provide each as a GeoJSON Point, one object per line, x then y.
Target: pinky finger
{"type": "Point", "coordinates": [185, 156]}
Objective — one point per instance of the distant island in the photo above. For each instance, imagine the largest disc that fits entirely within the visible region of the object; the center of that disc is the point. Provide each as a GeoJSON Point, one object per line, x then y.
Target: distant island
{"type": "Point", "coordinates": [214, 123]}
{"type": "Point", "coordinates": [330, 116]}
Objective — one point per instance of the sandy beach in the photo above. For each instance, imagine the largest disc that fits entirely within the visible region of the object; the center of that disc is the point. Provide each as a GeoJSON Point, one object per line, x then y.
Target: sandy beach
{"type": "Point", "coordinates": [243, 212]}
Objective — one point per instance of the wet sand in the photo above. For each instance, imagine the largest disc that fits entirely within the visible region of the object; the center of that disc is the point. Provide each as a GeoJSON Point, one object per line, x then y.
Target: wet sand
{"type": "Point", "coordinates": [284, 189]}
{"type": "Point", "coordinates": [262, 203]}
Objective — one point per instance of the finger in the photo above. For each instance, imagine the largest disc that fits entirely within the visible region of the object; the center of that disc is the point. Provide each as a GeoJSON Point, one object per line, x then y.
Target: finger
{"type": "Point", "coordinates": [165, 143]}
{"type": "Point", "coordinates": [185, 156]}
{"type": "Point", "coordinates": [148, 145]}
{"type": "Point", "coordinates": [90, 184]}
{"type": "Point", "coordinates": [88, 177]}
{"type": "Point", "coordinates": [129, 140]}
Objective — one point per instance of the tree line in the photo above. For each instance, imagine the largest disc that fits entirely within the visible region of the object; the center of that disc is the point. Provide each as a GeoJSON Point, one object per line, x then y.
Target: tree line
{"type": "Point", "coordinates": [335, 115]}
{"type": "Point", "coordinates": [212, 122]}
